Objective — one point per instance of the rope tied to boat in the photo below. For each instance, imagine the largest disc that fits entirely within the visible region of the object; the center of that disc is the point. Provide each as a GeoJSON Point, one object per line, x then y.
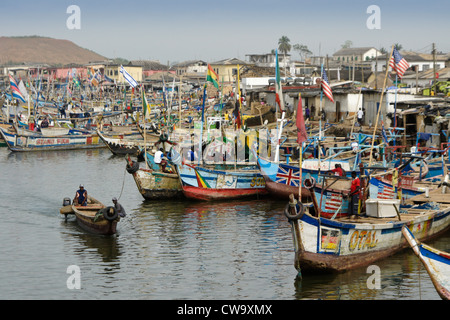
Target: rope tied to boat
{"type": "Point", "coordinates": [293, 203]}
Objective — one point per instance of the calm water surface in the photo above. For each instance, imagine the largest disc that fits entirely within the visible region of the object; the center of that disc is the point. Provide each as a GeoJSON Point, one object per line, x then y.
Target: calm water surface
{"type": "Point", "coordinates": [163, 250]}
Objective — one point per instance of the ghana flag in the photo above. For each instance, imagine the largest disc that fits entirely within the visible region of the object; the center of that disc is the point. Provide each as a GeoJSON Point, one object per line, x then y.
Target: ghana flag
{"type": "Point", "coordinates": [212, 77]}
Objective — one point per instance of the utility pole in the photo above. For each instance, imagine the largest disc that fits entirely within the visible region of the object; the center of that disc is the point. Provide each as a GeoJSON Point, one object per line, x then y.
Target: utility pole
{"type": "Point", "coordinates": [434, 67]}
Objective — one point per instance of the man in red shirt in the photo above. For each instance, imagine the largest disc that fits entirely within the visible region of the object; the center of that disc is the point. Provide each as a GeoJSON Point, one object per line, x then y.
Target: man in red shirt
{"type": "Point", "coordinates": [337, 171]}
{"type": "Point", "coordinates": [354, 195]}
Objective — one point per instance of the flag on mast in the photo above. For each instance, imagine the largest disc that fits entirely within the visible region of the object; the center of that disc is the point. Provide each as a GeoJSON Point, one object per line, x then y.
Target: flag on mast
{"type": "Point", "coordinates": [145, 105]}
{"type": "Point", "coordinates": [302, 136]}
{"type": "Point", "coordinates": [15, 91]}
{"type": "Point", "coordinates": [128, 77]}
{"type": "Point", "coordinates": [212, 77]}
{"type": "Point", "coordinates": [326, 87]}
{"type": "Point", "coordinates": [278, 89]}
{"type": "Point", "coordinates": [398, 63]}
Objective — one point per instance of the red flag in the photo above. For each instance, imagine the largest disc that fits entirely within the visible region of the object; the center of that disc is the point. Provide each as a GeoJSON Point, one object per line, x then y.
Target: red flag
{"type": "Point", "coordinates": [302, 136]}
{"type": "Point", "coordinates": [277, 99]}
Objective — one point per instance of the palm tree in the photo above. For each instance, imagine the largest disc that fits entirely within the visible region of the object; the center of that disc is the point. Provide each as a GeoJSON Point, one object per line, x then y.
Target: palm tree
{"type": "Point", "coordinates": [303, 52]}
{"type": "Point", "coordinates": [284, 46]}
{"type": "Point", "coordinates": [398, 46]}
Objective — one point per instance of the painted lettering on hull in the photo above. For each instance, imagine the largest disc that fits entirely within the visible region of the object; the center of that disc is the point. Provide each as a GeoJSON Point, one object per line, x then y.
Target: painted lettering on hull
{"type": "Point", "coordinates": [361, 240]}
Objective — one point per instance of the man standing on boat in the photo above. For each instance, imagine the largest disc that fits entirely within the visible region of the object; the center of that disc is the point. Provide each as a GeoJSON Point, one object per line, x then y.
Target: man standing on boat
{"type": "Point", "coordinates": [119, 208]}
{"type": "Point", "coordinates": [354, 195]}
{"type": "Point", "coordinates": [81, 197]}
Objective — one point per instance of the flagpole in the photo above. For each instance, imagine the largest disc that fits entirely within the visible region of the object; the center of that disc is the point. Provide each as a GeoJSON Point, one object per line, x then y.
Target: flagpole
{"type": "Point", "coordinates": [300, 158]}
{"type": "Point", "coordinates": [144, 105]}
{"type": "Point", "coordinates": [179, 102]}
{"type": "Point", "coordinates": [379, 107]}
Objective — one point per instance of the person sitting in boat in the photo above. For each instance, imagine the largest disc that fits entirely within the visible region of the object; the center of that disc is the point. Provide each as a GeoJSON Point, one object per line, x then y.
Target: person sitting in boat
{"type": "Point", "coordinates": [80, 197]}
{"type": "Point", "coordinates": [338, 171]}
{"type": "Point", "coordinates": [44, 123]}
{"type": "Point", "coordinates": [119, 208]}
{"type": "Point", "coordinates": [159, 159]}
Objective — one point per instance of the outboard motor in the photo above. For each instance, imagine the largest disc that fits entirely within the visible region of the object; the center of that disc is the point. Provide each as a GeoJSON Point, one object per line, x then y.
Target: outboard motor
{"type": "Point", "coordinates": [66, 202]}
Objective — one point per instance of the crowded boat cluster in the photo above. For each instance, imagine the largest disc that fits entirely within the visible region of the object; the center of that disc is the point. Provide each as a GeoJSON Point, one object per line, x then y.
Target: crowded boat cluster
{"type": "Point", "coordinates": [355, 191]}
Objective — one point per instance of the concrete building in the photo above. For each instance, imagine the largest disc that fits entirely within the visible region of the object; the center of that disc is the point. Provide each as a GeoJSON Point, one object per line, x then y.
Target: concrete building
{"type": "Point", "coordinates": [350, 55]}
{"type": "Point", "coordinates": [112, 71]}
{"type": "Point", "coordinates": [227, 69]}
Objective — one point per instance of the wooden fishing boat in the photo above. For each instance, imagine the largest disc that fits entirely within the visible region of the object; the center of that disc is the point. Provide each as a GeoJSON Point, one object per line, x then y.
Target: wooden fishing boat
{"type": "Point", "coordinates": [127, 144]}
{"type": "Point", "coordinates": [340, 244]}
{"type": "Point", "coordinates": [209, 183]}
{"type": "Point", "coordinates": [436, 262]}
{"type": "Point", "coordinates": [382, 188]}
{"type": "Point", "coordinates": [19, 143]}
{"type": "Point", "coordinates": [152, 183]}
{"type": "Point", "coordinates": [283, 179]}
{"type": "Point", "coordinates": [95, 217]}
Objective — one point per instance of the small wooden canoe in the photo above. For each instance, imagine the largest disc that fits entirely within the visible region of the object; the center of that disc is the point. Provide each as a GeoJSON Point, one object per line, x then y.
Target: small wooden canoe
{"type": "Point", "coordinates": [95, 217]}
{"type": "Point", "coordinates": [436, 262]}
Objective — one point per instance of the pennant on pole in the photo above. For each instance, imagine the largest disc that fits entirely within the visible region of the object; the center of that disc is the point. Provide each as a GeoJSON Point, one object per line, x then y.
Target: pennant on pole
{"type": "Point", "coordinates": [302, 136]}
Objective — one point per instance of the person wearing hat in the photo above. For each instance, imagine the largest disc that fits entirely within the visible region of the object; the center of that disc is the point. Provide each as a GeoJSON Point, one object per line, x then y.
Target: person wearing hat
{"type": "Point", "coordinates": [81, 197]}
{"type": "Point", "coordinates": [119, 208]}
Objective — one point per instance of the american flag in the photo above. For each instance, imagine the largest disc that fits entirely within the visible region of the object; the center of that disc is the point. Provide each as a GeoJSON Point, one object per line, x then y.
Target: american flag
{"type": "Point", "coordinates": [398, 63]}
{"type": "Point", "coordinates": [385, 192]}
{"type": "Point", "coordinates": [332, 202]}
{"type": "Point", "coordinates": [326, 87]}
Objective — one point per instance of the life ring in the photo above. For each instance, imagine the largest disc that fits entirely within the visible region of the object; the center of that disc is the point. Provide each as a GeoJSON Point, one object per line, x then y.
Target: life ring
{"type": "Point", "coordinates": [110, 213]}
{"type": "Point", "coordinates": [299, 209]}
{"type": "Point", "coordinates": [133, 168]}
{"type": "Point", "coordinates": [309, 183]}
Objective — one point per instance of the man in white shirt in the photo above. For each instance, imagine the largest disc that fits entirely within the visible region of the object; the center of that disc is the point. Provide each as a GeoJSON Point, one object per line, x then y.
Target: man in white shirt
{"type": "Point", "coordinates": [360, 116]}
{"type": "Point", "coordinates": [158, 156]}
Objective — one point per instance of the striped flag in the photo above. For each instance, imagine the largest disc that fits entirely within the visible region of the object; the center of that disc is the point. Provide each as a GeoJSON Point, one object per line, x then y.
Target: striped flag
{"type": "Point", "coordinates": [212, 77]}
{"type": "Point", "coordinates": [278, 88]}
{"type": "Point", "coordinates": [398, 63]}
{"type": "Point", "coordinates": [326, 87]}
{"type": "Point", "coordinates": [15, 91]}
{"type": "Point", "coordinates": [145, 105]}
{"type": "Point", "coordinates": [128, 77]}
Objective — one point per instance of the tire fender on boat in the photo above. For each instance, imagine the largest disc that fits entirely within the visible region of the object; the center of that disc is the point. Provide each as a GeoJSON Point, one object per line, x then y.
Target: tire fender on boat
{"type": "Point", "coordinates": [309, 183]}
{"type": "Point", "coordinates": [133, 168]}
{"type": "Point", "coordinates": [110, 213]}
{"type": "Point", "coordinates": [163, 137]}
{"type": "Point", "coordinates": [296, 207]}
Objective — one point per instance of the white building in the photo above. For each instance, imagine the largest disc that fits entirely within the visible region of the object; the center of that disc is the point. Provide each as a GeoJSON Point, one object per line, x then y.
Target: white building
{"type": "Point", "coordinates": [422, 62]}
{"type": "Point", "coordinates": [356, 55]}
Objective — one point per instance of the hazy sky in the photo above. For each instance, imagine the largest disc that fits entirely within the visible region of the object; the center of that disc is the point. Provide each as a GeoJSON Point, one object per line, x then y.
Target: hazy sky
{"type": "Point", "coordinates": [179, 30]}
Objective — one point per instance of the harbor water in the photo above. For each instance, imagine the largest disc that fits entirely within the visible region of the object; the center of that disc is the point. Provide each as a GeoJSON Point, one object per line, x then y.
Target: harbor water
{"type": "Point", "coordinates": [163, 250]}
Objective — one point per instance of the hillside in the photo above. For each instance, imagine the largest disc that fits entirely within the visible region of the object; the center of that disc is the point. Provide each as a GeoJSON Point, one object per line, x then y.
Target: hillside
{"type": "Point", "coordinates": [34, 49]}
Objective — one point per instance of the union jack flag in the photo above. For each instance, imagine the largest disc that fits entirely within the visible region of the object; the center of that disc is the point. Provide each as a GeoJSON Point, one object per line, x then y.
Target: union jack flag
{"type": "Point", "coordinates": [288, 176]}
